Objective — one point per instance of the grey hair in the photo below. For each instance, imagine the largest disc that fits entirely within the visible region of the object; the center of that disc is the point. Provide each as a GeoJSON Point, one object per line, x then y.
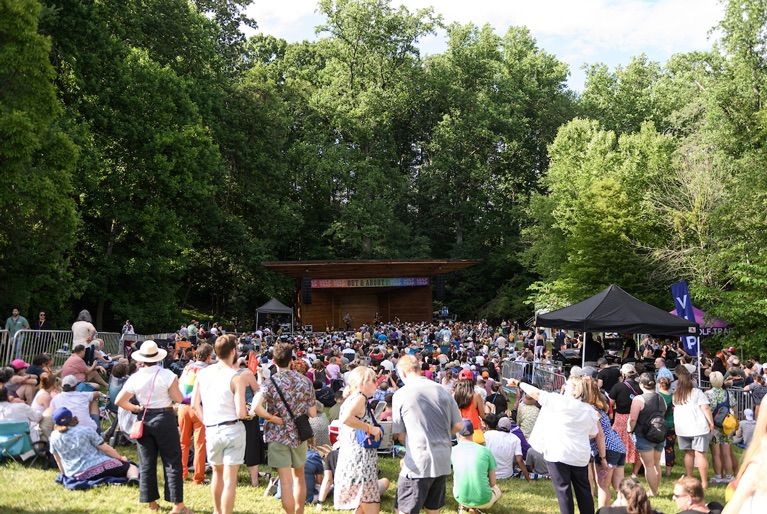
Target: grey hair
{"type": "Point", "coordinates": [84, 316]}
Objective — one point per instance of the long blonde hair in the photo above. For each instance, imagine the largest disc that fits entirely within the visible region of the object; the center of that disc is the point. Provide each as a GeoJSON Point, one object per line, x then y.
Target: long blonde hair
{"type": "Point", "coordinates": [758, 445]}
{"type": "Point", "coordinates": [358, 377]}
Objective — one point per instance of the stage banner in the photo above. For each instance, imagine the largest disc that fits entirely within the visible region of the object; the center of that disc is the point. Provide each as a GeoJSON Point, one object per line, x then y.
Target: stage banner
{"type": "Point", "coordinates": [683, 304]}
{"type": "Point", "coordinates": [343, 283]}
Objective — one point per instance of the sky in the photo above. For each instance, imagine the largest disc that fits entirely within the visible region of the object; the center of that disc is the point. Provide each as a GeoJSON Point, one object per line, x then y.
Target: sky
{"type": "Point", "coordinates": [578, 32]}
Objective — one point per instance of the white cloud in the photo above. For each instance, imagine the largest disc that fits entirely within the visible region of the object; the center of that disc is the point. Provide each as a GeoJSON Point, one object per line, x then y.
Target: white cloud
{"type": "Point", "coordinates": [577, 31]}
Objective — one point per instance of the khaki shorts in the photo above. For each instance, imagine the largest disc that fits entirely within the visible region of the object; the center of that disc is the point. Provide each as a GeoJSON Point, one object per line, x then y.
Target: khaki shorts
{"type": "Point", "coordinates": [283, 456]}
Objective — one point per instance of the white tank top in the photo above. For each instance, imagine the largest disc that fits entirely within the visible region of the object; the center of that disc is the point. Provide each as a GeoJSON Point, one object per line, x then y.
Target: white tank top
{"type": "Point", "coordinates": [214, 383]}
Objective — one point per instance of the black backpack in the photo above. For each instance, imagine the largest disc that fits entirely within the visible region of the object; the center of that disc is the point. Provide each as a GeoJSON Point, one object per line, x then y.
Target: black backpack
{"type": "Point", "coordinates": [655, 430]}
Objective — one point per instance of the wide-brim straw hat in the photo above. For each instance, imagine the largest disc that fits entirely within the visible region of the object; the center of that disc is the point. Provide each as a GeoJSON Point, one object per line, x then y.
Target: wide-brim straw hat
{"type": "Point", "coordinates": [149, 352]}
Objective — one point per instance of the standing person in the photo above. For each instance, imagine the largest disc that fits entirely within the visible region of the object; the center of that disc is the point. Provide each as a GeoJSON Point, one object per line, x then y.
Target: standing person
{"type": "Point", "coordinates": [15, 323]}
{"type": "Point", "coordinates": [474, 482]}
{"type": "Point", "coordinates": [614, 451]}
{"type": "Point", "coordinates": [643, 409]}
{"type": "Point", "coordinates": [219, 400]}
{"type": "Point", "coordinates": [286, 452]}
{"type": "Point", "coordinates": [189, 423]}
{"type": "Point", "coordinates": [664, 389]}
{"type": "Point", "coordinates": [693, 423]}
{"type": "Point", "coordinates": [425, 416]}
{"type": "Point", "coordinates": [563, 432]}
{"type": "Point", "coordinates": [621, 396]}
{"type": "Point", "coordinates": [255, 449]}
{"type": "Point", "coordinates": [356, 477]}
{"type": "Point", "coordinates": [127, 329]}
{"type": "Point", "coordinates": [156, 389]}
{"type": "Point", "coordinates": [83, 333]}
{"type": "Point", "coordinates": [721, 444]}
{"type": "Point", "coordinates": [192, 332]}
{"type": "Point", "coordinates": [42, 322]}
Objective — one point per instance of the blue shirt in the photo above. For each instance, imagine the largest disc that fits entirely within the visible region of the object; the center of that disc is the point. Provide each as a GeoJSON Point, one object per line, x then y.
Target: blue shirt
{"type": "Point", "coordinates": [78, 449]}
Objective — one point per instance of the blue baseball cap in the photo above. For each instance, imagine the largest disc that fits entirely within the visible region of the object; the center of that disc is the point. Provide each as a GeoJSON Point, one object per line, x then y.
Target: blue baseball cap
{"type": "Point", "coordinates": [467, 430]}
{"type": "Point", "coordinates": [62, 416]}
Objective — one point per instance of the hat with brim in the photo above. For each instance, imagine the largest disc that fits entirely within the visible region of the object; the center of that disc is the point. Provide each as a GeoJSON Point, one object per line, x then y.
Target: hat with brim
{"type": "Point", "coordinates": [149, 352]}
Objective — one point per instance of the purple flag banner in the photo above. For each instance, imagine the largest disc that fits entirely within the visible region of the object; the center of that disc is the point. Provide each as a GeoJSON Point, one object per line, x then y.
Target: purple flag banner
{"type": "Point", "coordinates": [684, 309]}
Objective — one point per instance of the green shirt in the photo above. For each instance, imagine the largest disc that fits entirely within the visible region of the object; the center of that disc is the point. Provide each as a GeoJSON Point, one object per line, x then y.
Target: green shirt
{"type": "Point", "coordinates": [14, 326]}
{"type": "Point", "coordinates": [471, 465]}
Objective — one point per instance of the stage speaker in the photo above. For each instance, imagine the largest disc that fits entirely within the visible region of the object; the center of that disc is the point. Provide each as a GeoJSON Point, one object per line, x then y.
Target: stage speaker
{"type": "Point", "coordinates": [439, 287]}
{"type": "Point", "coordinates": [306, 291]}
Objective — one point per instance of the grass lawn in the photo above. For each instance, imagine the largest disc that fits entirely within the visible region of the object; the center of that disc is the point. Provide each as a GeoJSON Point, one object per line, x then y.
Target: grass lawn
{"type": "Point", "coordinates": [26, 491]}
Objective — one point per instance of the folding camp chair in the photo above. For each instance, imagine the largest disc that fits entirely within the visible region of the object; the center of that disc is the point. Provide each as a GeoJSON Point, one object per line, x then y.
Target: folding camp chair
{"type": "Point", "coordinates": [15, 442]}
{"type": "Point", "coordinates": [380, 407]}
{"type": "Point", "coordinates": [386, 438]}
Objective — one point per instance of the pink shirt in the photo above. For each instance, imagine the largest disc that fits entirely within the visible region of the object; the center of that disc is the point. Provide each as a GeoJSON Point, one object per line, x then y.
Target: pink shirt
{"type": "Point", "coordinates": [75, 365]}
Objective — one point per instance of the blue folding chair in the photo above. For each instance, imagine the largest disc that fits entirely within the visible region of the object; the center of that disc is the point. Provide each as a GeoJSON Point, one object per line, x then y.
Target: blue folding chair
{"type": "Point", "coordinates": [15, 442]}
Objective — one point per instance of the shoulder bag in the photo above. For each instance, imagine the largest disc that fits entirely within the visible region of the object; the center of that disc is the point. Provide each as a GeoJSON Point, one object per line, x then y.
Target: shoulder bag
{"type": "Point", "coordinates": [303, 427]}
{"type": "Point", "coordinates": [137, 430]}
{"type": "Point", "coordinates": [364, 438]}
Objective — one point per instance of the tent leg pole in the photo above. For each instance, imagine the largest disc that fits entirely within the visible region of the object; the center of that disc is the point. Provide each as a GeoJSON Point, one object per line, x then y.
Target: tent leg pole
{"type": "Point", "coordinates": [583, 350]}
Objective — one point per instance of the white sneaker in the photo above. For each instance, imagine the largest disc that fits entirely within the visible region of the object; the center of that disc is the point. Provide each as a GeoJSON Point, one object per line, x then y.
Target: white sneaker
{"type": "Point", "coordinates": [728, 478]}
{"type": "Point", "coordinates": [716, 479]}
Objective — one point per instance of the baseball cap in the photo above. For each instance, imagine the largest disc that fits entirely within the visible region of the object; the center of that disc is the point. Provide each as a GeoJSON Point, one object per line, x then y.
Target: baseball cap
{"type": "Point", "coordinates": [466, 374]}
{"type": "Point", "coordinates": [628, 369]}
{"type": "Point", "coordinates": [62, 416]}
{"type": "Point", "coordinates": [69, 381]}
{"type": "Point", "coordinates": [19, 364]}
{"type": "Point", "coordinates": [504, 424]}
{"type": "Point", "coordinates": [749, 414]}
{"type": "Point", "coordinates": [467, 430]}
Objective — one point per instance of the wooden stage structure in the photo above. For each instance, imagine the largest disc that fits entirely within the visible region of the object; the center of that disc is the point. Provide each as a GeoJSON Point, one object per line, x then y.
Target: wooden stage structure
{"type": "Point", "coordinates": [366, 290]}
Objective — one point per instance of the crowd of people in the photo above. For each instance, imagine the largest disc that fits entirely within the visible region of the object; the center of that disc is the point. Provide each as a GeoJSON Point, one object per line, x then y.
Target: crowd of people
{"type": "Point", "coordinates": [316, 408]}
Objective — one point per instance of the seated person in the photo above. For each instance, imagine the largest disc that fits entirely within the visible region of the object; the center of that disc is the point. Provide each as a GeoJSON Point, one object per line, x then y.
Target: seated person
{"type": "Point", "coordinates": [101, 357]}
{"type": "Point", "coordinates": [387, 413]}
{"type": "Point", "coordinates": [42, 363]}
{"type": "Point", "coordinates": [505, 447]}
{"type": "Point", "coordinates": [88, 376]}
{"type": "Point", "coordinates": [82, 454]}
{"type": "Point", "coordinates": [745, 431]}
{"type": "Point", "coordinates": [320, 426]}
{"type": "Point", "coordinates": [19, 411]}
{"type": "Point", "coordinates": [631, 498]}
{"type": "Point", "coordinates": [498, 398]}
{"type": "Point", "coordinates": [22, 385]}
{"type": "Point", "coordinates": [689, 497]}
{"type": "Point", "coordinates": [83, 404]}
{"type": "Point", "coordinates": [49, 388]}
{"type": "Point", "coordinates": [474, 484]}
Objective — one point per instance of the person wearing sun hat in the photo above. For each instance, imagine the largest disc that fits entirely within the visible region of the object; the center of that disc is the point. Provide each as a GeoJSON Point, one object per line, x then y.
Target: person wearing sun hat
{"type": "Point", "coordinates": [156, 389]}
{"type": "Point", "coordinates": [82, 454]}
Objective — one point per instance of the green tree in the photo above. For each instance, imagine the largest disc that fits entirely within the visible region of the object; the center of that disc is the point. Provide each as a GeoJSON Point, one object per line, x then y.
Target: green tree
{"type": "Point", "coordinates": [36, 157]}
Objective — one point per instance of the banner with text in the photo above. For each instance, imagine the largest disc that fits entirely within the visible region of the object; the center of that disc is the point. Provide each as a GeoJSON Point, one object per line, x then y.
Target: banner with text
{"type": "Point", "coordinates": [342, 283]}
{"type": "Point", "coordinates": [683, 304]}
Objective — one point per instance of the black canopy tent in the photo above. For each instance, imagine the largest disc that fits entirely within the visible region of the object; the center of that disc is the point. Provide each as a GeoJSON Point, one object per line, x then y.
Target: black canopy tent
{"type": "Point", "coordinates": [614, 310]}
{"type": "Point", "coordinates": [274, 306]}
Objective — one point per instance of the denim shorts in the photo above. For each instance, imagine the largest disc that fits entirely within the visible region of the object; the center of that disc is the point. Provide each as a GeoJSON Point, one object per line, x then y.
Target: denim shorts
{"type": "Point", "coordinates": [614, 459]}
{"type": "Point", "coordinates": [643, 445]}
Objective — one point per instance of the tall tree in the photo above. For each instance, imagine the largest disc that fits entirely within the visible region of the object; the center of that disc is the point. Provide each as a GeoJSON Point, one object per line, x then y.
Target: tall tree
{"type": "Point", "coordinates": [36, 158]}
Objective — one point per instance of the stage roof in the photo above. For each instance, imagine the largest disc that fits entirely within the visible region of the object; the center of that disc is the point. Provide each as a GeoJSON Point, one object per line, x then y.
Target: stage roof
{"type": "Point", "coordinates": [368, 268]}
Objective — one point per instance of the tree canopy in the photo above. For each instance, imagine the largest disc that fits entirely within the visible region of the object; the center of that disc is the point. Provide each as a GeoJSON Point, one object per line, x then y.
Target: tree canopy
{"type": "Point", "coordinates": [153, 155]}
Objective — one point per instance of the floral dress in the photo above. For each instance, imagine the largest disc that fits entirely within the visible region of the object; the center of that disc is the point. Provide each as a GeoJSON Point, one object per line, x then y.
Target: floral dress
{"type": "Point", "coordinates": [356, 477]}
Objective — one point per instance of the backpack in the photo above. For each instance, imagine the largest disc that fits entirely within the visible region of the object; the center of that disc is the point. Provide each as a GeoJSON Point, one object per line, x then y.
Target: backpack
{"type": "Point", "coordinates": [721, 411]}
{"type": "Point", "coordinates": [655, 429]}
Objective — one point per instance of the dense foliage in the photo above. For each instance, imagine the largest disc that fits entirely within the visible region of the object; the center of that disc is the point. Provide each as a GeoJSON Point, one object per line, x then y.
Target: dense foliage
{"type": "Point", "coordinates": [153, 156]}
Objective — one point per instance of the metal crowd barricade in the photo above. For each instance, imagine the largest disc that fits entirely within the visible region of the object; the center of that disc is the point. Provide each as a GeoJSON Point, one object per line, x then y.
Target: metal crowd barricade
{"type": "Point", "coordinates": [26, 344]}
{"type": "Point", "coordinates": [547, 379]}
{"type": "Point", "coordinates": [516, 370]}
{"type": "Point", "coordinates": [740, 400]}
{"type": "Point", "coordinates": [5, 347]}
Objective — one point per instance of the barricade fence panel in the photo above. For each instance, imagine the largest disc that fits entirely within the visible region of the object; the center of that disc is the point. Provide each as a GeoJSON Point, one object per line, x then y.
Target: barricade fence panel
{"type": "Point", "coordinates": [547, 380]}
{"type": "Point", "coordinates": [26, 344]}
{"type": "Point", "coordinates": [5, 347]}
